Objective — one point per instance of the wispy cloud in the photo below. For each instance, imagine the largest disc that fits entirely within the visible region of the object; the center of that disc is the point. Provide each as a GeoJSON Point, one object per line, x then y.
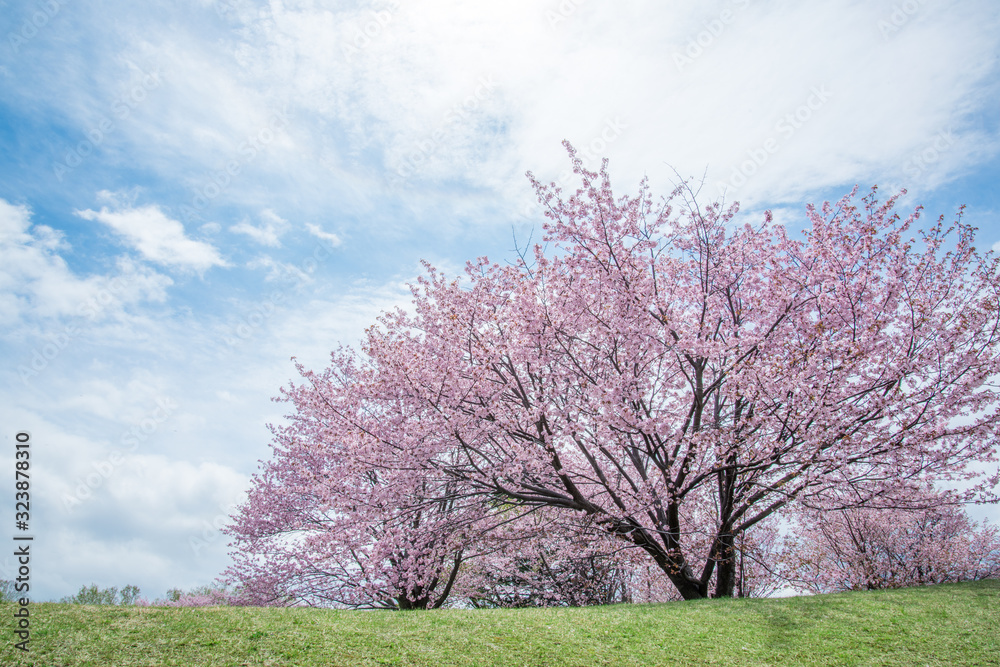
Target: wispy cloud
{"type": "Point", "coordinates": [268, 233]}
{"type": "Point", "coordinates": [157, 237]}
{"type": "Point", "coordinates": [317, 231]}
{"type": "Point", "coordinates": [279, 270]}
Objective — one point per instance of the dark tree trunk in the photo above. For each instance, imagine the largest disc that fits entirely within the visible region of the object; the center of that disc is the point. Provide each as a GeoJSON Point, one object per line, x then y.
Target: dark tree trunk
{"type": "Point", "coordinates": [406, 603]}
{"type": "Point", "coordinates": [670, 559]}
{"type": "Point", "coordinates": [688, 586]}
{"type": "Point", "coordinates": [725, 567]}
{"type": "Point", "coordinates": [456, 564]}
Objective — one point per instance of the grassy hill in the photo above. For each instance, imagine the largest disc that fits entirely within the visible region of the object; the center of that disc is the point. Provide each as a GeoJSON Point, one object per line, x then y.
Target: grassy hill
{"type": "Point", "coordinates": [954, 624]}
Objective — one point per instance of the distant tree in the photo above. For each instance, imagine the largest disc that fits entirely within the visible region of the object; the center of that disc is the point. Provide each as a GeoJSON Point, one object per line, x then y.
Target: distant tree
{"type": "Point", "coordinates": [875, 548]}
{"type": "Point", "coordinates": [7, 591]}
{"type": "Point", "coordinates": [129, 595]}
{"type": "Point", "coordinates": [200, 596]}
{"type": "Point", "coordinates": [108, 596]}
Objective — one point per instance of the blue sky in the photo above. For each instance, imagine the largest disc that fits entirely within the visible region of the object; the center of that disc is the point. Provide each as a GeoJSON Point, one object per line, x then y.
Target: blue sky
{"type": "Point", "coordinates": [193, 192]}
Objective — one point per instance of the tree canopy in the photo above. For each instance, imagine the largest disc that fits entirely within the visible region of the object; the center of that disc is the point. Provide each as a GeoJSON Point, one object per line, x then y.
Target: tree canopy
{"type": "Point", "coordinates": [673, 378]}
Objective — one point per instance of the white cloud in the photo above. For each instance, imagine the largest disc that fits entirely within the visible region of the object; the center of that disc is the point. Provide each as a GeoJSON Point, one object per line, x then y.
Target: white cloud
{"type": "Point", "coordinates": [35, 279]}
{"type": "Point", "coordinates": [262, 235]}
{"type": "Point", "coordinates": [377, 87]}
{"type": "Point", "coordinates": [411, 91]}
{"type": "Point", "coordinates": [269, 233]}
{"type": "Point", "coordinates": [14, 223]}
{"type": "Point", "coordinates": [318, 232]}
{"type": "Point", "coordinates": [313, 329]}
{"type": "Point", "coordinates": [119, 514]}
{"type": "Point", "coordinates": [158, 520]}
{"type": "Point", "coordinates": [159, 238]}
{"type": "Point", "coordinates": [282, 271]}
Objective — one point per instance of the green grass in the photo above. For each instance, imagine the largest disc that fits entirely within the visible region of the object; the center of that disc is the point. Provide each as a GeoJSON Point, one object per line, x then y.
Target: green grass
{"type": "Point", "coordinates": [953, 624]}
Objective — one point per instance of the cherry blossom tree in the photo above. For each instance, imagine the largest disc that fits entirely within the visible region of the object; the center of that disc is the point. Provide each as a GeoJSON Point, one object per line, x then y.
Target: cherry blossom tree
{"type": "Point", "coordinates": [674, 377]}
{"type": "Point", "coordinates": [324, 526]}
{"type": "Point", "coordinates": [869, 548]}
